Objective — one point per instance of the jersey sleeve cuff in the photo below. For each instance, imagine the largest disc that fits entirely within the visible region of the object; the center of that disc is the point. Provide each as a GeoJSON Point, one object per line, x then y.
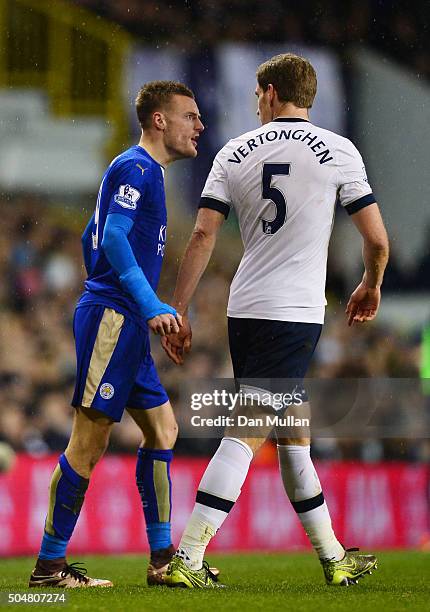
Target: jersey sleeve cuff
{"type": "Point", "coordinates": [357, 205]}
{"type": "Point", "coordinates": [214, 204]}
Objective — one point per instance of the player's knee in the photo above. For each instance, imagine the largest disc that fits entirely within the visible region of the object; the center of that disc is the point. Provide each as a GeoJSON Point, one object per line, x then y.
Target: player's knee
{"type": "Point", "coordinates": [87, 446]}
{"type": "Point", "coordinates": [295, 442]}
{"type": "Point", "coordinates": [174, 434]}
{"type": "Point", "coordinates": [94, 459]}
{"type": "Point", "coordinates": [98, 450]}
{"type": "Point", "coordinates": [162, 436]}
{"type": "Point", "coordinates": [86, 455]}
{"type": "Point", "coordinates": [166, 438]}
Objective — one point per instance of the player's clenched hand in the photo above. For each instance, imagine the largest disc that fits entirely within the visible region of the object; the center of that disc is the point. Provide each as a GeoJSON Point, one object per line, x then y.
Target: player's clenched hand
{"type": "Point", "coordinates": [176, 345]}
{"type": "Point", "coordinates": [363, 304]}
{"type": "Point", "coordinates": [164, 324]}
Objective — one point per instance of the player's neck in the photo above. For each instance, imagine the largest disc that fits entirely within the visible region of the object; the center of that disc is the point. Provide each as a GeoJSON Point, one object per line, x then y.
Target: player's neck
{"type": "Point", "coordinates": [290, 110]}
{"type": "Point", "coordinates": [156, 150]}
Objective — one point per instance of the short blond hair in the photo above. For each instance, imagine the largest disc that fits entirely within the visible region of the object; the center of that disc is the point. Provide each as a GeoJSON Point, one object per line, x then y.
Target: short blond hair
{"type": "Point", "coordinates": [293, 77]}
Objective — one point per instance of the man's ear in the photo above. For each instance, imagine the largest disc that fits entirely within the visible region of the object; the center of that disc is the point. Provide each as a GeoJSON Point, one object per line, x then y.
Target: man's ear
{"type": "Point", "coordinates": [159, 121]}
{"type": "Point", "coordinates": [271, 91]}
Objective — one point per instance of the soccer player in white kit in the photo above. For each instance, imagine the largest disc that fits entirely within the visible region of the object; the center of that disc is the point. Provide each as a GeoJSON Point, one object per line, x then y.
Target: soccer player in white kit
{"type": "Point", "coordinates": [283, 181]}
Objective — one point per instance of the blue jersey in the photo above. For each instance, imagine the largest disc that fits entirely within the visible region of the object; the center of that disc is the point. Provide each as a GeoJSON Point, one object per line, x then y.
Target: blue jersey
{"type": "Point", "coordinates": [133, 185]}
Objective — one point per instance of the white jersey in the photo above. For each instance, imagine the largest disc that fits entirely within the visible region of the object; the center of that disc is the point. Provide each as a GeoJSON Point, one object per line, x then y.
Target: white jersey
{"type": "Point", "coordinates": [283, 180]}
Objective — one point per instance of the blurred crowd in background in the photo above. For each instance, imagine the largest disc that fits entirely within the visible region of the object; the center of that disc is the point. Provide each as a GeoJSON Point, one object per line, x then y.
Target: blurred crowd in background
{"type": "Point", "coordinates": [42, 267]}
{"type": "Point", "coordinates": [399, 28]}
{"type": "Point", "coordinates": [42, 270]}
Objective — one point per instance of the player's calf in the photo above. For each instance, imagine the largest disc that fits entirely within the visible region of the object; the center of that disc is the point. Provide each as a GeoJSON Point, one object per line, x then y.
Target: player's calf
{"type": "Point", "coordinates": [68, 486]}
{"type": "Point", "coordinates": [155, 487]}
{"type": "Point", "coordinates": [304, 490]}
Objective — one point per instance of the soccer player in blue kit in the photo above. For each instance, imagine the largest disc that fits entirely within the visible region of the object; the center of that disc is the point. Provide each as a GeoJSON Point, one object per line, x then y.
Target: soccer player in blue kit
{"type": "Point", "coordinates": [123, 247]}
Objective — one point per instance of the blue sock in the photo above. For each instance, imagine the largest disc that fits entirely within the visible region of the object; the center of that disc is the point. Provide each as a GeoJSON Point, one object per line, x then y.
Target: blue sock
{"type": "Point", "coordinates": [52, 547]}
{"type": "Point", "coordinates": [66, 496]}
{"type": "Point", "coordinates": [155, 488]}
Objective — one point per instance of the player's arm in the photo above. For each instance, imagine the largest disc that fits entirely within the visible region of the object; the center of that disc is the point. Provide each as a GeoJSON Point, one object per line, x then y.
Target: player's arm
{"type": "Point", "coordinates": [214, 207]}
{"type": "Point", "coordinates": [369, 223]}
{"type": "Point", "coordinates": [194, 262]}
{"type": "Point", "coordinates": [355, 195]}
{"type": "Point", "coordinates": [364, 302]}
{"type": "Point", "coordinates": [196, 256]}
{"type": "Point", "coordinates": [161, 318]}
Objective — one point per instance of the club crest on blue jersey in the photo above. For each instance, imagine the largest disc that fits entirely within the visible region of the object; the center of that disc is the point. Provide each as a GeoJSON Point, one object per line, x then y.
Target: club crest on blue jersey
{"type": "Point", "coordinates": [107, 391]}
{"type": "Point", "coordinates": [127, 196]}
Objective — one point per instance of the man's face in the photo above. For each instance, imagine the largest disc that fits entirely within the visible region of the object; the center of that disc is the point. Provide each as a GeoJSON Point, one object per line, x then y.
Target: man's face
{"type": "Point", "coordinates": [264, 104]}
{"type": "Point", "coordinates": [183, 127]}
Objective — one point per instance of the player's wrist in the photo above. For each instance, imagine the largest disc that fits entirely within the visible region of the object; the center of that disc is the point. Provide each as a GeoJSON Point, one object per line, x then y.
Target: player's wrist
{"type": "Point", "coordinates": [369, 285]}
{"type": "Point", "coordinates": [180, 307]}
{"type": "Point", "coordinates": [372, 286]}
{"type": "Point", "coordinates": [160, 309]}
{"type": "Point", "coordinates": [136, 283]}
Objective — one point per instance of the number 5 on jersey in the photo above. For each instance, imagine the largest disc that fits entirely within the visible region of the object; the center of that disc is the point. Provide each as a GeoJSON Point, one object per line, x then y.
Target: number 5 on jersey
{"type": "Point", "coordinates": [275, 195]}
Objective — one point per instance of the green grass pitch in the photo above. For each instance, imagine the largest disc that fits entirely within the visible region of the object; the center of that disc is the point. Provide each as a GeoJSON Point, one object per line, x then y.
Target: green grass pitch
{"type": "Point", "coordinates": [255, 582]}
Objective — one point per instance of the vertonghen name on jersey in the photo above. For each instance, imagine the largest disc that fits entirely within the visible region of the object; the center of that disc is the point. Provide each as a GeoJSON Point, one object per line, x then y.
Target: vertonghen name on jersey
{"type": "Point", "coordinates": [283, 181]}
{"type": "Point", "coordinates": [313, 142]}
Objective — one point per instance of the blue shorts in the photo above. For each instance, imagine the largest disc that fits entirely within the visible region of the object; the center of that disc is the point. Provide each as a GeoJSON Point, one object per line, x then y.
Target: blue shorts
{"type": "Point", "coordinates": [115, 369]}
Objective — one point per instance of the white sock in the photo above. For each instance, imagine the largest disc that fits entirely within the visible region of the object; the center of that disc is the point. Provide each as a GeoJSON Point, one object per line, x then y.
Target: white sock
{"type": "Point", "coordinates": [302, 484]}
{"type": "Point", "coordinates": [218, 490]}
